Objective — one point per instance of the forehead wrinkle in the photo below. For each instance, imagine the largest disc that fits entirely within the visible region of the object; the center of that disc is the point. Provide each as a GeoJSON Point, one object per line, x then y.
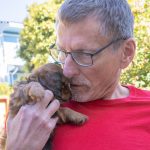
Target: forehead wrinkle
{"type": "Point", "coordinates": [72, 38]}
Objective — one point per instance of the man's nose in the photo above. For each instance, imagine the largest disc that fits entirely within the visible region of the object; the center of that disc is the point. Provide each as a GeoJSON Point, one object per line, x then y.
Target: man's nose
{"type": "Point", "coordinates": [70, 68]}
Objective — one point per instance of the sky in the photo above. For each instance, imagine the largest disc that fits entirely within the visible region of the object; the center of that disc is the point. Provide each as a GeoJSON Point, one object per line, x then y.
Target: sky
{"type": "Point", "coordinates": [15, 10]}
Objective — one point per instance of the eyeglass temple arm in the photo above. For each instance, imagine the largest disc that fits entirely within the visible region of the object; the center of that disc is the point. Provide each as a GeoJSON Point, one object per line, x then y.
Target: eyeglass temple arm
{"type": "Point", "coordinates": [108, 45]}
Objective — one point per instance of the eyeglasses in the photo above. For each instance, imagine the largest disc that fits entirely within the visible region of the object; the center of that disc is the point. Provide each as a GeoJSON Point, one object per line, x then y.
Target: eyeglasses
{"type": "Point", "coordinates": [84, 59]}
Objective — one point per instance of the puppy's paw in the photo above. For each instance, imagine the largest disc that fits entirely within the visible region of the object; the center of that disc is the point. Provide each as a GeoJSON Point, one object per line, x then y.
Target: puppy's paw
{"type": "Point", "coordinates": [78, 118]}
{"type": "Point", "coordinates": [67, 115]}
{"type": "Point", "coordinates": [35, 91]}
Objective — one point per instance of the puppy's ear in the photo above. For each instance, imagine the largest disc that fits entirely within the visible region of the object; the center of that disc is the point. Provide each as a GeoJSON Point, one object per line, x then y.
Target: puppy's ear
{"type": "Point", "coordinates": [32, 77]}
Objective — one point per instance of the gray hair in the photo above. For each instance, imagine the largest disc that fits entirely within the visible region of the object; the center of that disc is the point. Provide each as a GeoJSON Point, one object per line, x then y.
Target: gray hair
{"type": "Point", "coordinates": [114, 16]}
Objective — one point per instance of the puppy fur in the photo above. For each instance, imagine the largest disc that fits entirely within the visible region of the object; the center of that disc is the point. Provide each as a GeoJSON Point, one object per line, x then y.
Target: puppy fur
{"type": "Point", "coordinates": [47, 77]}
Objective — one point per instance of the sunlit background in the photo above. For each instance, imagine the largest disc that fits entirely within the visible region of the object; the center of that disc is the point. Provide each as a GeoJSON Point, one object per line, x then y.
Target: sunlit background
{"type": "Point", "coordinates": [12, 15]}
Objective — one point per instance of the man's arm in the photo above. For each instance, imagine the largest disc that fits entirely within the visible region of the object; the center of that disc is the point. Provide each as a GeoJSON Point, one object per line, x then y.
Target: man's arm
{"type": "Point", "coordinates": [32, 126]}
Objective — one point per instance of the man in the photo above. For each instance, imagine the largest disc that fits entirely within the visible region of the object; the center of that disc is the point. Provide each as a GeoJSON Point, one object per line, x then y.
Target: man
{"type": "Point", "coordinates": [95, 42]}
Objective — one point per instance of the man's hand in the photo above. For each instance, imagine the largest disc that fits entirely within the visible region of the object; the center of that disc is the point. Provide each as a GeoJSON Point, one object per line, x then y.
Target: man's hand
{"type": "Point", "coordinates": [32, 126]}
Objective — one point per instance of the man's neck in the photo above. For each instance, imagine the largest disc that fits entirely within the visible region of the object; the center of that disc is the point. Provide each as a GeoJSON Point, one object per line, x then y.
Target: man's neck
{"type": "Point", "coordinates": [120, 92]}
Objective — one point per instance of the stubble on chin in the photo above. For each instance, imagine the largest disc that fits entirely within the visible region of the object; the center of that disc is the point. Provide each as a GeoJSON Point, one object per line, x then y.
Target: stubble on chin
{"type": "Point", "coordinates": [80, 94]}
{"type": "Point", "coordinates": [76, 97]}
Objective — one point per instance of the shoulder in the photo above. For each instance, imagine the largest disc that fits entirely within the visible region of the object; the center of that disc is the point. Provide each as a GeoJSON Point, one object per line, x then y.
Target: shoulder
{"type": "Point", "coordinates": [139, 92]}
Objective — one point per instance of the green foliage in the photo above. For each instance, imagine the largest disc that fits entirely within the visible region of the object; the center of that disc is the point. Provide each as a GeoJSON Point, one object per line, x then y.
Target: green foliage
{"type": "Point", "coordinates": [38, 33]}
{"type": "Point", "coordinates": [139, 72]}
{"type": "Point", "coordinates": [5, 89]}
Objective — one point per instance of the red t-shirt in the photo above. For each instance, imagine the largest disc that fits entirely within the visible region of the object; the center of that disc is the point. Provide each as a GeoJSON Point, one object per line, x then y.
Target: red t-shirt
{"type": "Point", "coordinates": [119, 124]}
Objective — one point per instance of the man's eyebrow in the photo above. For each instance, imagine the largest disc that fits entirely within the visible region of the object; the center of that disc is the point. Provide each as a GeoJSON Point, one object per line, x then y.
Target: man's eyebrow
{"type": "Point", "coordinates": [82, 50]}
{"type": "Point", "coordinates": [87, 50]}
{"type": "Point", "coordinates": [75, 50]}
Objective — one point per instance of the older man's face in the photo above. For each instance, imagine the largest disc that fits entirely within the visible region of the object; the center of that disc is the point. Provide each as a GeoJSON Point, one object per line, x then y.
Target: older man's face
{"type": "Point", "coordinates": [99, 80]}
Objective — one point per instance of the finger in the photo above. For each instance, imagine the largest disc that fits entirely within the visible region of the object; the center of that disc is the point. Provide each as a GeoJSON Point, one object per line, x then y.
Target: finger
{"type": "Point", "coordinates": [10, 119]}
{"type": "Point", "coordinates": [53, 122]}
{"type": "Point", "coordinates": [8, 122]}
{"type": "Point", "coordinates": [48, 97]}
{"type": "Point", "coordinates": [52, 108]}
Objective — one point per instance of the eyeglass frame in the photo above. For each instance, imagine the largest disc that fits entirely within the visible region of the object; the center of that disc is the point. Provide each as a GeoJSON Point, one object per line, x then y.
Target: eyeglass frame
{"type": "Point", "coordinates": [91, 54]}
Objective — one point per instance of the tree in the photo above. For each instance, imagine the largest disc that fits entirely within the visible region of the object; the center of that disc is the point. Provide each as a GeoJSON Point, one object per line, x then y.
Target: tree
{"type": "Point", "coordinates": [139, 72]}
{"type": "Point", "coordinates": [38, 33]}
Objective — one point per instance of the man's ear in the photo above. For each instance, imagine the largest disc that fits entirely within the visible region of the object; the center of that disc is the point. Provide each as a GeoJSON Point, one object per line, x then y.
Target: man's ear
{"type": "Point", "coordinates": [127, 52]}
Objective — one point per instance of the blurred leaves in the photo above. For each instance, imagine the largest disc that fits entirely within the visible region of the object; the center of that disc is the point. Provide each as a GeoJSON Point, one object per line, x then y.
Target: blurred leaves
{"type": "Point", "coordinates": [5, 89]}
{"type": "Point", "coordinates": [139, 72]}
{"type": "Point", "coordinates": [38, 33]}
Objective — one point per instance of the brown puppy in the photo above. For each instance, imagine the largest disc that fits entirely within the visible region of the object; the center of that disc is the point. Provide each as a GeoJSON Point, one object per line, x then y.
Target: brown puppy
{"type": "Point", "coordinates": [47, 77]}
